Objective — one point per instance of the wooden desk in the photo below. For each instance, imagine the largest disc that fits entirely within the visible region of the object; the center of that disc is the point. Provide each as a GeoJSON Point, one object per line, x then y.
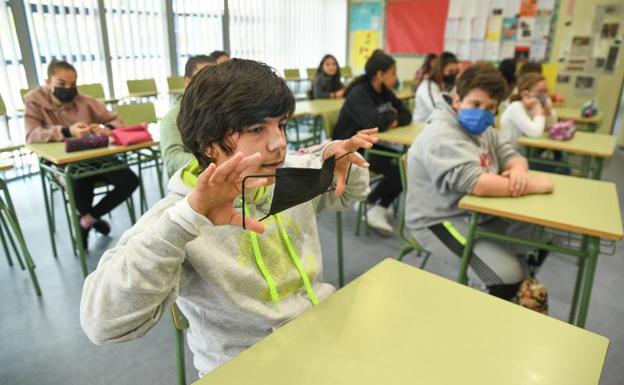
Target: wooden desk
{"type": "Point", "coordinates": [328, 109]}
{"type": "Point", "coordinates": [586, 207]}
{"type": "Point", "coordinates": [593, 148]}
{"type": "Point", "coordinates": [397, 324]}
{"type": "Point", "coordinates": [404, 135]}
{"type": "Point", "coordinates": [57, 164]}
{"type": "Point", "coordinates": [569, 113]}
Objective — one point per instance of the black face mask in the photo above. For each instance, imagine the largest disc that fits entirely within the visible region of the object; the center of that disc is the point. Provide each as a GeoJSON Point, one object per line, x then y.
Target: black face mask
{"type": "Point", "coordinates": [294, 186]}
{"type": "Point", "coordinates": [65, 94]}
{"type": "Point", "coordinates": [449, 80]}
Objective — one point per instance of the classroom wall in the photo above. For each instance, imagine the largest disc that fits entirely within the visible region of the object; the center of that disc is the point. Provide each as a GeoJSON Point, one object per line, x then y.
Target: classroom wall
{"type": "Point", "coordinates": [608, 86]}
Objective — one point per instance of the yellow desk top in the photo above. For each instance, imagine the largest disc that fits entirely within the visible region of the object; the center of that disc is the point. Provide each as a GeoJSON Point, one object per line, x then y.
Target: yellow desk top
{"type": "Point", "coordinates": [583, 206]}
{"type": "Point", "coordinates": [583, 143]}
{"type": "Point", "coordinates": [404, 135]}
{"type": "Point", "coordinates": [566, 113]}
{"type": "Point", "coordinates": [55, 152]}
{"type": "Point", "coordinates": [404, 93]}
{"type": "Point", "coordinates": [318, 106]}
{"type": "Point", "coordinates": [397, 324]}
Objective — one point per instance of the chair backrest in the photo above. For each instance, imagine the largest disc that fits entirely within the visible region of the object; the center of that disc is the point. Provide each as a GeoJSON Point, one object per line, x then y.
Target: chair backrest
{"type": "Point", "coordinates": [175, 83]}
{"type": "Point", "coordinates": [23, 92]}
{"type": "Point", "coordinates": [2, 106]}
{"type": "Point", "coordinates": [142, 86]}
{"type": "Point", "coordinates": [137, 113]}
{"type": "Point", "coordinates": [292, 74]}
{"type": "Point", "coordinates": [179, 320]}
{"type": "Point", "coordinates": [311, 73]}
{"type": "Point", "coordinates": [345, 72]}
{"type": "Point", "coordinates": [95, 90]}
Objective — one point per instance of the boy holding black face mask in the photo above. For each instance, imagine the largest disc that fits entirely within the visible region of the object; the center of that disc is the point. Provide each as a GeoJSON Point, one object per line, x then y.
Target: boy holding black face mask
{"type": "Point", "coordinates": [57, 111]}
{"type": "Point", "coordinates": [234, 285]}
{"type": "Point", "coordinates": [459, 152]}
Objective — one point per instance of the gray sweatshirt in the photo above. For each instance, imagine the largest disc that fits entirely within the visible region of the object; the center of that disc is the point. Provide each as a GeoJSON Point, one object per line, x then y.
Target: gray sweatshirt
{"type": "Point", "coordinates": [175, 254]}
{"type": "Point", "coordinates": [444, 164]}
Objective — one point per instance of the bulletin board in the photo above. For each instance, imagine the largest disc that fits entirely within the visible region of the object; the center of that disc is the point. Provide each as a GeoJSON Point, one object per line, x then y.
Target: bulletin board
{"type": "Point", "coordinates": [365, 30]}
{"type": "Point", "coordinates": [415, 26]}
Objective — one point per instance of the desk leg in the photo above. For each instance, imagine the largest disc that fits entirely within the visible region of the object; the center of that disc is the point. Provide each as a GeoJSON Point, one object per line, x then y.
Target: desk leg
{"type": "Point", "coordinates": [69, 186]}
{"type": "Point", "coordinates": [340, 250]}
{"type": "Point", "coordinates": [44, 188]}
{"type": "Point", "coordinates": [597, 170]}
{"type": "Point", "coordinates": [593, 247]}
{"type": "Point", "coordinates": [586, 167]}
{"type": "Point", "coordinates": [157, 160]}
{"type": "Point", "coordinates": [465, 261]}
{"type": "Point", "coordinates": [579, 282]}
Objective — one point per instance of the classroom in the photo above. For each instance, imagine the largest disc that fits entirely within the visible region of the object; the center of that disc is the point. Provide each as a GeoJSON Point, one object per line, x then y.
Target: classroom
{"type": "Point", "coordinates": [312, 192]}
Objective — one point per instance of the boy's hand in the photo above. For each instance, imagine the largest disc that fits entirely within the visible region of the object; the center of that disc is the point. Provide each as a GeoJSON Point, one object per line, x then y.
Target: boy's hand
{"type": "Point", "coordinates": [79, 130]}
{"type": "Point", "coordinates": [218, 186]}
{"type": "Point", "coordinates": [540, 184]}
{"type": "Point", "coordinates": [518, 181]}
{"type": "Point", "coordinates": [363, 139]}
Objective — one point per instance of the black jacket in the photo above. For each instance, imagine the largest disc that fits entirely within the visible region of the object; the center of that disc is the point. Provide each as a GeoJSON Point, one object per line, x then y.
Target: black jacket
{"type": "Point", "coordinates": [366, 108]}
{"type": "Point", "coordinates": [324, 85]}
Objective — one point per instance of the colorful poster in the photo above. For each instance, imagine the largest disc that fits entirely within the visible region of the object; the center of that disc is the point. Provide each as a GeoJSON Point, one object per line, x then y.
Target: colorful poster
{"type": "Point", "coordinates": [365, 16]}
{"type": "Point", "coordinates": [365, 42]}
{"type": "Point", "coordinates": [494, 28]}
{"type": "Point", "coordinates": [522, 52]}
{"type": "Point", "coordinates": [526, 25]}
{"type": "Point", "coordinates": [510, 27]}
{"type": "Point", "coordinates": [541, 28]}
{"type": "Point", "coordinates": [528, 8]}
{"type": "Point", "coordinates": [415, 27]}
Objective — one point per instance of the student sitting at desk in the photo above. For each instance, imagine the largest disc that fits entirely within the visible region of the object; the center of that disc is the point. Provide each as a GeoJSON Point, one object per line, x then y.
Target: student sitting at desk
{"type": "Point", "coordinates": [57, 111]}
{"type": "Point", "coordinates": [369, 103]}
{"type": "Point", "coordinates": [431, 90]}
{"type": "Point", "coordinates": [234, 285]}
{"type": "Point", "coordinates": [174, 154]}
{"type": "Point", "coordinates": [327, 84]}
{"type": "Point", "coordinates": [530, 111]}
{"type": "Point", "coordinates": [459, 152]}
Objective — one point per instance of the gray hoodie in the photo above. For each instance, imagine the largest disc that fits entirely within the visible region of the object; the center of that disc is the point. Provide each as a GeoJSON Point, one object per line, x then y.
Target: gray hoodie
{"type": "Point", "coordinates": [175, 254]}
{"type": "Point", "coordinates": [444, 164]}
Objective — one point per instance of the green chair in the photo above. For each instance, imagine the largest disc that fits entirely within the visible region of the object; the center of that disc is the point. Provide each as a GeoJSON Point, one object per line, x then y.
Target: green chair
{"type": "Point", "coordinates": [142, 88]}
{"type": "Point", "coordinates": [311, 72]}
{"type": "Point", "coordinates": [180, 323]}
{"type": "Point", "coordinates": [304, 131]}
{"type": "Point", "coordinates": [408, 84]}
{"type": "Point", "coordinates": [136, 113]}
{"type": "Point", "coordinates": [95, 90]}
{"type": "Point", "coordinates": [346, 73]}
{"type": "Point", "coordinates": [9, 225]}
{"type": "Point", "coordinates": [175, 84]}
{"type": "Point", "coordinates": [292, 74]}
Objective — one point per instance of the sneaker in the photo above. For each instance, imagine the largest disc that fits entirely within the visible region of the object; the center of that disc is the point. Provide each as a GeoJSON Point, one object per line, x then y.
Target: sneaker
{"type": "Point", "coordinates": [102, 227]}
{"type": "Point", "coordinates": [378, 221]}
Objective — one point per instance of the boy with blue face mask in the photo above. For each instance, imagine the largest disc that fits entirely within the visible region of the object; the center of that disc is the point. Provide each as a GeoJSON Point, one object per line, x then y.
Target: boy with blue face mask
{"type": "Point", "coordinates": [459, 153]}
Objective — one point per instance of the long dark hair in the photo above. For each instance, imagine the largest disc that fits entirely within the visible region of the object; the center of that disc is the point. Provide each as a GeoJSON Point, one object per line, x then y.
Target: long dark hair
{"type": "Point", "coordinates": [379, 61]}
{"type": "Point", "coordinates": [437, 72]}
{"type": "Point", "coordinates": [507, 68]}
{"type": "Point", "coordinates": [320, 67]}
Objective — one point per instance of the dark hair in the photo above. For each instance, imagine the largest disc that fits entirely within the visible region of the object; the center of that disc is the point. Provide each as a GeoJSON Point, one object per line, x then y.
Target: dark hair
{"type": "Point", "coordinates": [320, 66]}
{"type": "Point", "coordinates": [439, 63]}
{"type": "Point", "coordinates": [194, 61]}
{"type": "Point", "coordinates": [224, 99]}
{"type": "Point", "coordinates": [529, 67]}
{"type": "Point", "coordinates": [426, 67]}
{"type": "Point", "coordinates": [525, 83]}
{"type": "Point", "coordinates": [59, 65]}
{"type": "Point", "coordinates": [507, 68]}
{"type": "Point", "coordinates": [379, 61]}
{"type": "Point", "coordinates": [485, 77]}
{"type": "Point", "coordinates": [217, 54]}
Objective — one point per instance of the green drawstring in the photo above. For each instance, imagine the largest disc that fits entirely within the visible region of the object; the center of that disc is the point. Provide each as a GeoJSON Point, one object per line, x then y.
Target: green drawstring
{"type": "Point", "coordinates": [296, 260]}
{"type": "Point", "coordinates": [294, 257]}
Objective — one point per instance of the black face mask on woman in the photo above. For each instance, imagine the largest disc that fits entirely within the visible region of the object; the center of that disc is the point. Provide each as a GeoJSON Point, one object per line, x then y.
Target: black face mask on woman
{"type": "Point", "coordinates": [449, 80]}
{"type": "Point", "coordinates": [65, 94]}
{"type": "Point", "coordinates": [294, 185]}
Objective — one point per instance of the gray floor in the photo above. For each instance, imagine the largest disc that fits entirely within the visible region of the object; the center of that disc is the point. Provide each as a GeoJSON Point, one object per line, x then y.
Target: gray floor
{"type": "Point", "coordinates": [42, 342]}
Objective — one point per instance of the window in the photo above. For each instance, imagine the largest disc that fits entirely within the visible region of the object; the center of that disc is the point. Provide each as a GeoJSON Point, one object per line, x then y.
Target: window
{"type": "Point", "coordinates": [138, 45]}
{"type": "Point", "coordinates": [198, 28]}
{"type": "Point", "coordinates": [288, 33]}
{"type": "Point", "coordinates": [67, 30]}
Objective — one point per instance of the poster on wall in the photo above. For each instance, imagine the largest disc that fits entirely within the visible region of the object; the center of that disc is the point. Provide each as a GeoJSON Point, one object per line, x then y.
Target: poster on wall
{"type": "Point", "coordinates": [364, 43]}
{"type": "Point", "coordinates": [526, 25]}
{"type": "Point", "coordinates": [528, 8]}
{"type": "Point", "coordinates": [581, 46]}
{"type": "Point", "coordinates": [365, 16]}
{"type": "Point", "coordinates": [584, 85]}
{"type": "Point", "coordinates": [612, 58]}
{"type": "Point", "coordinates": [564, 78]}
{"type": "Point", "coordinates": [510, 27]}
{"type": "Point", "coordinates": [417, 27]}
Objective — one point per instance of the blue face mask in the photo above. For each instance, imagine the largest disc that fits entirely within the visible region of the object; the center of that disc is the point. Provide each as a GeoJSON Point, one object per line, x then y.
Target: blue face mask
{"type": "Point", "coordinates": [475, 120]}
